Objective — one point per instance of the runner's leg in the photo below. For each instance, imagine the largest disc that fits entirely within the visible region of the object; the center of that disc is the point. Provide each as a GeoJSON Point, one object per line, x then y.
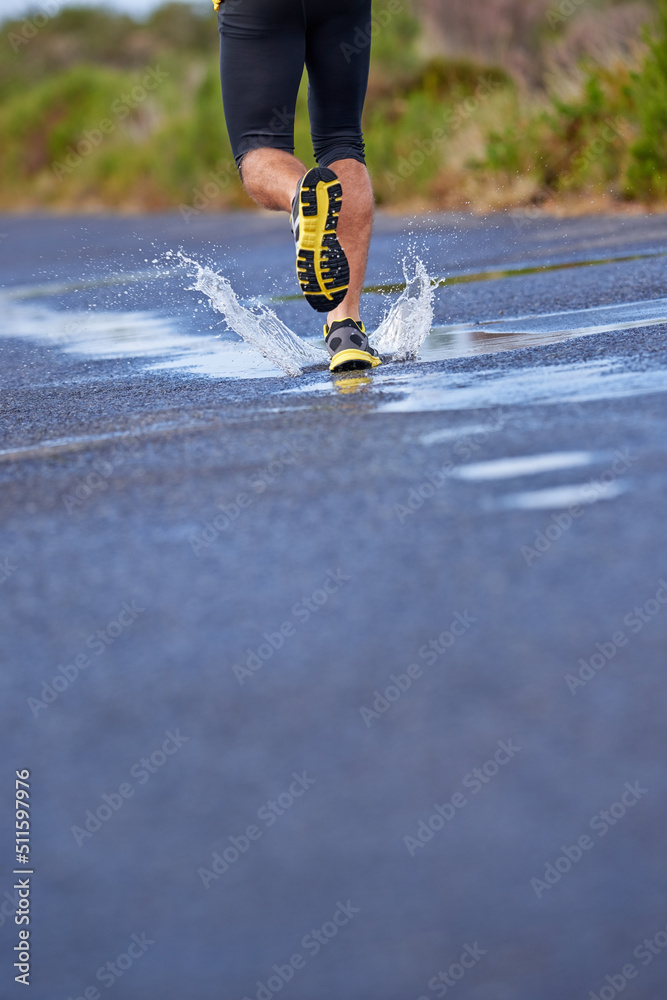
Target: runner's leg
{"type": "Point", "coordinates": [262, 55]}
{"type": "Point", "coordinates": [355, 226]}
{"type": "Point", "coordinates": [338, 76]}
{"type": "Point", "coordinates": [270, 177]}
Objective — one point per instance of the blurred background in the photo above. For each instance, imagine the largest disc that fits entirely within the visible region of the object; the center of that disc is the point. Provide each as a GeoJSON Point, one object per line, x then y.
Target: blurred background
{"type": "Point", "coordinates": [473, 104]}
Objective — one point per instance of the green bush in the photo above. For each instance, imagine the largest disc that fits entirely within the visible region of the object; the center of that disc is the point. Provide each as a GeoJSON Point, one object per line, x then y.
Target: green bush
{"type": "Point", "coordinates": [647, 174]}
{"type": "Point", "coordinates": [38, 126]}
{"type": "Point", "coordinates": [568, 146]}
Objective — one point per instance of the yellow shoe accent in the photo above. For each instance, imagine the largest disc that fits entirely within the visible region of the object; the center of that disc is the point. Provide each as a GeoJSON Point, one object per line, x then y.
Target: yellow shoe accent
{"type": "Point", "coordinates": [322, 267]}
{"type": "Point", "coordinates": [312, 230]}
{"type": "Point", "coordinates": [344, 357]}
{"type": "Point", "coordinates": [357, 322]}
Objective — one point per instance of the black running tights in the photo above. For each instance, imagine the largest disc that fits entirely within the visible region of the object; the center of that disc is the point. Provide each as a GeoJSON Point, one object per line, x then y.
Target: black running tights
{"type": "Point", "coordinates": [265, 45]}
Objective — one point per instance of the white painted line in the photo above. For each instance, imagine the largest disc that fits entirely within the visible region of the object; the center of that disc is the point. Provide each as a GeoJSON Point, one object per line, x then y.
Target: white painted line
{"type": "Point", "coordinates": [453, 433]}
{"type": "Point", "coordinates": [561, 497]}
{"type": "Point", "coordinates": [524, 465]}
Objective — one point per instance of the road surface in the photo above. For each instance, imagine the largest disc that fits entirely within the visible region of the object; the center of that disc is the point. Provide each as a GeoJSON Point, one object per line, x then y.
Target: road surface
{"type": "Point", "coordinates": [336, 688]}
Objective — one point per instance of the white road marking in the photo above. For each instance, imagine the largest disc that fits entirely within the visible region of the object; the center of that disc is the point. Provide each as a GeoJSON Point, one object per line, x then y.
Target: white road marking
{"type": "Point", "coordinates": [453, 433]}
{"type": "Point", "coordinates": [561, 497]}
{"type": "Point", "coordinates": [524, 465]}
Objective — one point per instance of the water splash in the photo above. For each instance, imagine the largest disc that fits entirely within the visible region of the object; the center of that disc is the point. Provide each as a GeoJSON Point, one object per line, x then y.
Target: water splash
{"type": "Point", "coordinates": [259, 326]}
{"type": "Point", "coordinates": [400, 334]}
{"type": "Point", "coordinates": [408, 323]}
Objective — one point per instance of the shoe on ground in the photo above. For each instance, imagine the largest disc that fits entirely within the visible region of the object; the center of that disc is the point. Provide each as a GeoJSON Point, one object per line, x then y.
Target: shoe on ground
{"type": "Point", "coordinates": [348, 346]}
{"type": "Point", "coordinates": [321, 265]}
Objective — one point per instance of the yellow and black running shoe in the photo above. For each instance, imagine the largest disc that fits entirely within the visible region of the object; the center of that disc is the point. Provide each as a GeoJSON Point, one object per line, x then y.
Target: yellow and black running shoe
{"type": "Point", "coordinates": [348, 346]}
{"type": "Point", "coordinates": [321, 265]}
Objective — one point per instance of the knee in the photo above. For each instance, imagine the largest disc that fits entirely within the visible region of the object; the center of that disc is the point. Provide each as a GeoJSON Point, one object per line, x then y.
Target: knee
{"type": "Point", "coordinates": [356, 183]}
{"type": "Point", "coordinates": [258, 165]}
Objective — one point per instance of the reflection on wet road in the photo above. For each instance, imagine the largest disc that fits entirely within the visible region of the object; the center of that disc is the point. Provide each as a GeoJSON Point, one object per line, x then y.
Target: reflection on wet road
{"type": "Point", "coordinates": [513, 333]}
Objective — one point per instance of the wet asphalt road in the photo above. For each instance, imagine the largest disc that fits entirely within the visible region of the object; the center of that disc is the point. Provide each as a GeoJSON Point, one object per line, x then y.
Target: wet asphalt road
{"type": "Point", "coordinates": [252, 561]}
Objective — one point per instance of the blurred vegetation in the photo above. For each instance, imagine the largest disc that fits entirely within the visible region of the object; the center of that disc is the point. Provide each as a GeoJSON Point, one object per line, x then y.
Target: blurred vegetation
{"type": "Point", "coordinates": [99, 110]}
{"type": "Point", "coordinates": [647, 174]}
